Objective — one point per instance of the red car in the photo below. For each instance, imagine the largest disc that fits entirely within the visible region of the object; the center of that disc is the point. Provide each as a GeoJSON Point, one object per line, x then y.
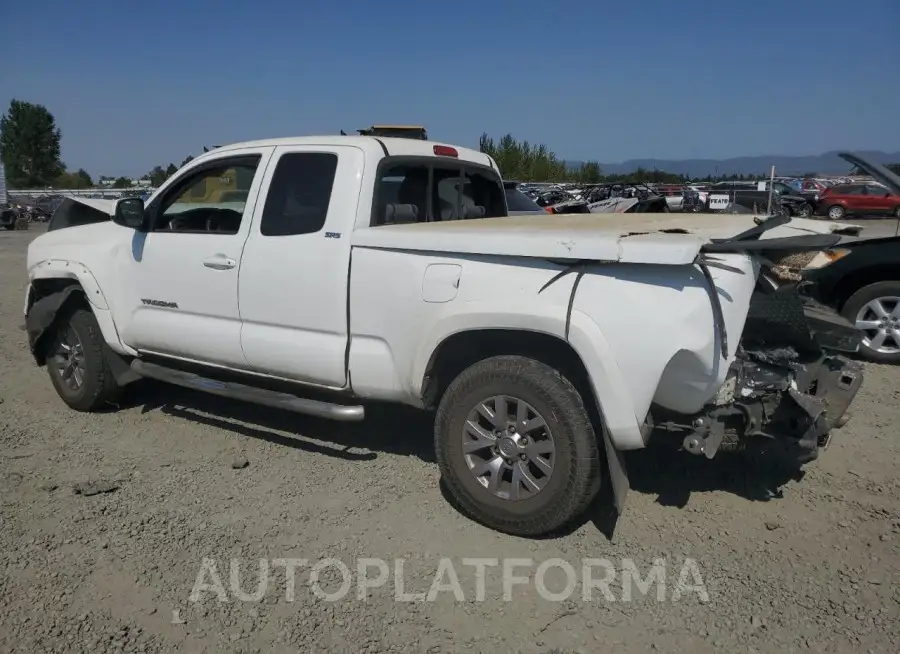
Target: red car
{"type": "Point", "coordinates": [864, 198]}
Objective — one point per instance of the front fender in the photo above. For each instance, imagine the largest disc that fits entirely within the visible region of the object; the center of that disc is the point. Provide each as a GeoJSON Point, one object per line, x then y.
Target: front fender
{"type": "Point", "coordinates": [41, 316]}
{"type": "Point", "coordinates": [60, 275]}
{"type": "Point", "coordinates": [71, 270]}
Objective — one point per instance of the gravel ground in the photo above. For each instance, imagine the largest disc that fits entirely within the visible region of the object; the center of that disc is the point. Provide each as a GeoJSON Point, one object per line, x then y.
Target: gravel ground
{"type": "Point", "coordinates": [106, 520]}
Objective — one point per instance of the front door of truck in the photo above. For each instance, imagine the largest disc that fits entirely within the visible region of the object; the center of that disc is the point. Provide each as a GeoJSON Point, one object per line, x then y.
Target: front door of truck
{"type": "Point", "coordinates": [296, 263]}
{"type": "Point", "coordinates": [180, 278]}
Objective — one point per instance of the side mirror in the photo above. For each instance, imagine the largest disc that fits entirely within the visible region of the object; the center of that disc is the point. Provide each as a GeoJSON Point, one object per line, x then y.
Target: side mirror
{"type": "Point", "coordinates": [130, 213]}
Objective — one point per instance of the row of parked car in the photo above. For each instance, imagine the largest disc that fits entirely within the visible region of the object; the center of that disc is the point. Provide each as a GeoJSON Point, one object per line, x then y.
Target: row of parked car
{"type": "Point", "coordinates": [852, 198]}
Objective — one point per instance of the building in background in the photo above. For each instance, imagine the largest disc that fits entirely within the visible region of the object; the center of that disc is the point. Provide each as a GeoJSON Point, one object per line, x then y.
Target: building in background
{"type": "Point", "coordinates": [4, 196]}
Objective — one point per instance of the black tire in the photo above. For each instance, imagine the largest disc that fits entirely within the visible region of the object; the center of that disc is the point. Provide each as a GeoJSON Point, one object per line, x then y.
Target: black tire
{"type": "Point", "coordinates": [805, 211]}
{"type": "Point", "coordinates": [839, 213]}
{"type": "Point", "coordinates": [897, 212]}
{"type": "Point", "coordinates": [575, 478]}
{"type": "Point", "coordinates": [98, 386]}
{"type": "Point", "coordinates": [857, 301]}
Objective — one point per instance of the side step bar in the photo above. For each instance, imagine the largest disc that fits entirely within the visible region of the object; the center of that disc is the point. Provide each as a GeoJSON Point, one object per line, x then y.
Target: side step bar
{"type": "Point", "coordinates": [246, 393]}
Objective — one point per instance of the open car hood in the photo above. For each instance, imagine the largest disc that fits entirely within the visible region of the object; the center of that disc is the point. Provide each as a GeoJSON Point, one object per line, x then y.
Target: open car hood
{"type": "Point", "coordinates": [873, 168]}
{"type": "Point", "coordinates": [74, 211]}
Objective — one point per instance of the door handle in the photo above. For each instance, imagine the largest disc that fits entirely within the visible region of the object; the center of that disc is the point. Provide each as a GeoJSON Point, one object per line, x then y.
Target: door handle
{"type": "Point", "coordinates": [219, 262]}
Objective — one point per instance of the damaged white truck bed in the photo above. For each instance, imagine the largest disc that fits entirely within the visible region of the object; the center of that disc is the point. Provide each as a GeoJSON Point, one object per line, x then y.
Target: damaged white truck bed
{"type": "Point", "coordinates": [356, 269]}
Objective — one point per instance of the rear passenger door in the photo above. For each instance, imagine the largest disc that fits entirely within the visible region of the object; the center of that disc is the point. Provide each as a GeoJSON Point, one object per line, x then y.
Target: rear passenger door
{"type": "Point", "coordinates": [294, 272]}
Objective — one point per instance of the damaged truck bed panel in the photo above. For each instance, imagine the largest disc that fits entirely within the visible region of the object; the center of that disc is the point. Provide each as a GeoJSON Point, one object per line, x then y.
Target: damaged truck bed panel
{"type": "Point", "coordinates": [670, 239]}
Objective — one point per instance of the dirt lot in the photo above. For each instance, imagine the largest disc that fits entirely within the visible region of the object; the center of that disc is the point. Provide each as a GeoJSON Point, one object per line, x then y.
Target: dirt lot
{"type": "Point", "coordinates": [789, 565]}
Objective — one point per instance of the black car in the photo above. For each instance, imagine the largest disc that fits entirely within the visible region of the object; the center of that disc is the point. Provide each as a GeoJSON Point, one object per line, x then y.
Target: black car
{"type": "Point", "coordinates": [755, 196]}
{"type": "Point", "coordinates": [8, 217]}
{"type": "Point", "coordinates": [518, 203]}
{"type": "Point", "coordinates": [860, 278]}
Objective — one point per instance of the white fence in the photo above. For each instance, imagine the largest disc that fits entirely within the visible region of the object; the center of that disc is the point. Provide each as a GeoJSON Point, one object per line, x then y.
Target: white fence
{"type": "Point", "coordinates": [82, 192]}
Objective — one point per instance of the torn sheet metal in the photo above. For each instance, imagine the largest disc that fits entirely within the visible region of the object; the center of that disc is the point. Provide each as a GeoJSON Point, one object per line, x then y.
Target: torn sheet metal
{"type": "Point", "coordinates": [655, 238]}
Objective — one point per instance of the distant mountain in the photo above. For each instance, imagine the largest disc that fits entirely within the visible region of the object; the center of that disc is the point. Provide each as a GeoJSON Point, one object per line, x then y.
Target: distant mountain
{"type": "Point", "coordinates": [828, 163]}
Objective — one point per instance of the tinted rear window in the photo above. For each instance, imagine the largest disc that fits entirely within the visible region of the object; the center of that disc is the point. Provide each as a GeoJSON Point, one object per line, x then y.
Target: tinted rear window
{"type": "Point", "coordinates": [458, 191]}
{"type": "Point", "coordinates": [299, 195]}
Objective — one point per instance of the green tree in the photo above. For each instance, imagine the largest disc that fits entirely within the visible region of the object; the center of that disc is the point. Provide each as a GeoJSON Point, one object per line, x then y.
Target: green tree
{"type": "Point", "coordinates": [157, 176]}
{"type": "Point", "coordinates": [29, 145]}
{"type": "Point", "coordinates": [77, 180]}
{"type": "Point", "coordinates": [187, 160]}
{"type": "Point", "coordinates": [524, 161]}
{"type": "Point", "coordinates": [590, 173]}
{"type": "Point", "coordinates": [122, 182]}
{"type": "Point", "coordinates": [171, 170]}
{"type": "Point", "coordinates": [85, 178]}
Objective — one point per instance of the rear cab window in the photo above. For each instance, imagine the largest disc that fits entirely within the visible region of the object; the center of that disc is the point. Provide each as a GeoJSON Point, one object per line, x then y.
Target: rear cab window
{"type": "Point", "coordinates": [426, 189]}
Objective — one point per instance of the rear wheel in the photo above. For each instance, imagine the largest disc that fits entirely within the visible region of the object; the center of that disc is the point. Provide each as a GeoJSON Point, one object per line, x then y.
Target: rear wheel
{"type": "Point", "coordinates": [805, 211]}
{"type": "Point", "coordinates": [77, 365]}
{"type": "Point", "coordinates": [875, 309]}
{"type": "Point", "coordinates": [836, 212]}
{"type": "Point", "coordinates": [516, 447]}
{"type": "Point", "coordinates": [897, 212]}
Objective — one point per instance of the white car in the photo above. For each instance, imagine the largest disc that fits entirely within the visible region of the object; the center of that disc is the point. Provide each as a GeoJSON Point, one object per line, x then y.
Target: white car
{"type": "Point", "coordinates": [316, 274]}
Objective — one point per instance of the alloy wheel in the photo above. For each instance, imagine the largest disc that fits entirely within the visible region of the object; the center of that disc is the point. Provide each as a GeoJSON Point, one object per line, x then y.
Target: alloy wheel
{"type": "Point", "coordinates": [879, 319]}
{"type": "Point", "coordinates": [508, 447]}
{"type": "Point", "coordinates": [69, 359]}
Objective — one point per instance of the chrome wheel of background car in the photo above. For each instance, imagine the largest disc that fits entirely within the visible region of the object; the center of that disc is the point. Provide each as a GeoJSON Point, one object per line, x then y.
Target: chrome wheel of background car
{"type": "Point", "coordinates": [508, 447]}
{"type": "Point", "coordinates": [879, 319]}
{"type": "Point", "coordinates": [69, 359]}
{"type": "Point", "coordinates": [836, 212]}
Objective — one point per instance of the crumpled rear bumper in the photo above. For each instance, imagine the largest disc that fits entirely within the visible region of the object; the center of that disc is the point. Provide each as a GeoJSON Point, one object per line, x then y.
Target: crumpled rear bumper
{"type": "Point", "coordinates": [790, 384]}
{"type": "Point", "coordinates": [822, 408]}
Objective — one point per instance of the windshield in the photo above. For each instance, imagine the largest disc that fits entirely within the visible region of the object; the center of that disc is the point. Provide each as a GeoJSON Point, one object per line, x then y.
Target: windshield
{"type": "Point", "coordinates": [518, 201]}
{"type": "Point", "coordinates": [784, 188]}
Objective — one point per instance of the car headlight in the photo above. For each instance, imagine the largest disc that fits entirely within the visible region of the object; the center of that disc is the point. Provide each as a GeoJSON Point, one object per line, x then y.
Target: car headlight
{"type": "Point", "coordinates": [826, 257]}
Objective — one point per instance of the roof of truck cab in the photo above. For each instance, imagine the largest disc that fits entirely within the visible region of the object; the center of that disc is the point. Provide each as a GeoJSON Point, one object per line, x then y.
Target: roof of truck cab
{"type": "Point", "coordinates": [395, 146]}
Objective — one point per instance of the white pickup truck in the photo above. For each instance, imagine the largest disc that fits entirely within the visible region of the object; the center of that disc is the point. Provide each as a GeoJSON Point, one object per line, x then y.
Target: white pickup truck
{"type": "Point", "coordinates": [317, 274]}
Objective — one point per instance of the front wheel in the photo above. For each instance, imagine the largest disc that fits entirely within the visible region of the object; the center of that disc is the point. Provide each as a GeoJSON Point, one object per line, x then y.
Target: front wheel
{"type": "Point", "coordinates": [875, 310]}
{"type": "Point", "coordinates": [516, 447]}
{"type": "Point", "coordinates": [836, 212]}
{"type": "Point", "coordinates": [805, 211]}
{"type": "Point", "coordinates": [76, 363]}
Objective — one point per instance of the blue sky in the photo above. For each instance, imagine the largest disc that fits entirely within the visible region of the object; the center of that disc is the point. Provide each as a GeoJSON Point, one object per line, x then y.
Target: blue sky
{"type": "Point", "coordinates": [137, 84]}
